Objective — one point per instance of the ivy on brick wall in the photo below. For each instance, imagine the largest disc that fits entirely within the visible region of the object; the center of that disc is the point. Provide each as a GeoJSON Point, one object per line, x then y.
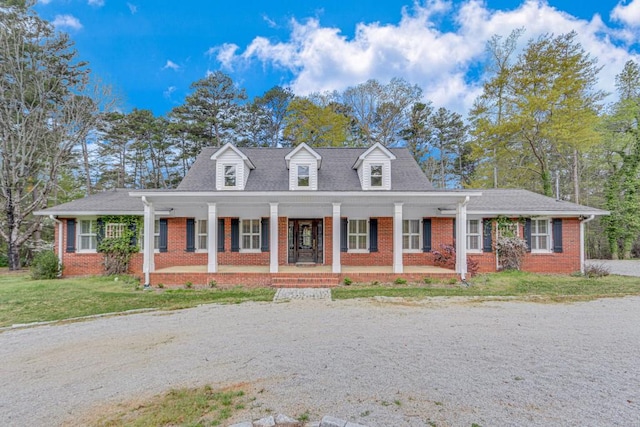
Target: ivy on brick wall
{"type": "Point", "coordinates": [118, 241]}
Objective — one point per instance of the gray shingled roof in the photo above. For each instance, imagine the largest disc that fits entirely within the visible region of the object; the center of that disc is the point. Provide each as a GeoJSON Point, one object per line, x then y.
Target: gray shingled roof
{"type": "Point", "coordinates": [335, 174]}
{"type": "Point", "coordinates": [523, 201]}
{"type": "Point", "coordinates": [104, 203]}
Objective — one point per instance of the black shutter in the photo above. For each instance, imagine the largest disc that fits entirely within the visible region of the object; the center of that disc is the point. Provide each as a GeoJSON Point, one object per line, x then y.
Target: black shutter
{"type": "Point", "coordinates": [454, 232]}
{"type": "Point", "coordinates": [426, 234]}
{"type": "Point", "coordinates": [557, 235]}
{"type": "Point", "coordinates": [220, 234]}
{"type": "Point", "coordinates": [527, 233]}
{"type": "Point", "coordinates": [133, 240]}
{"type": "Point", "coordinates": [99, 231]}
{"type": "Point", "coordinates": [373, 235]}
{"type": "Point", "coordinates": [487, 245]}
{"type": "Point", "coordinates": [264, 234]}
{"type": "Point", "coordinates": [71, 235]}
{"type": "Point", "coordinates": [191, 235]}
{"type": "Point", "coordinates": [344, 229]}
{"type": "Point", "coordinates": [235, 235]}
{"type": "Point", "coordinates": [163, 237]}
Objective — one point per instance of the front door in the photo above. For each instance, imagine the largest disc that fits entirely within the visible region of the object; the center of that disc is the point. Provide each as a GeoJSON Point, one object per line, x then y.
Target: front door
{"type": "Point", "coordinates": [305, 241]}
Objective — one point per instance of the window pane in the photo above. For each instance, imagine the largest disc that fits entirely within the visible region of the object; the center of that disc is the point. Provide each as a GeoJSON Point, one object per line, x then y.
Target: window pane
{"type": "Point", "coordinates": [415, 242]}
{"type": "Point", "coordinates": [376, 181]}
{"type": "Point", "coordinates": [473, 226]}
{"type": "Point", "coordinates": [352, 242]}
{"type": "Point", "coordinates": [246, 242]}
{"type": "Point", "coordinates": [303, 170]}
{"type": "Point", "coordinates": [202, 242]}
{"type": "Point", "coordinates": [405, 226]}
{"type": "Point", "coordinates": [474, 242]}
{"type": "Point", "coordinates": [405, 242]}
{"type": "Point", "coordinates": [85, 227]}
{"type": "Point", "coordinates": [202, 226]}
{"type": "Point", "coordinates": [362, 226]}
{"type": "Point", "coordinates": [376, 170]}
{"type": "Point", "coordinates": [255, 226]}
{"type": "Point", "coordinates": [230, 176]}
{"type": "Point", "coordinates": [256, 242]}
{"type": "Point", "coordinates": [353, 226]}
{"type": "Point", "coordinates": [415, 226]}
{"type": "Point", "coordinates": [543, 243]}
{"type": "Point", "coordinates": [362, 242]}
{"type": "Point", "coordinates": [246, 226]}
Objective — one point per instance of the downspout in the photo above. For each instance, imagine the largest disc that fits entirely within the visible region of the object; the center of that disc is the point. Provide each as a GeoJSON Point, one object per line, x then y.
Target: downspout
{"type": "Point", "coordinates": [582, 223]}
{"type": "Point", "coordinates": [145, 265]}
{"type": "Point", "coordinates": [461, 224]}
{"type": "Point", "coordinates": [60, 245]}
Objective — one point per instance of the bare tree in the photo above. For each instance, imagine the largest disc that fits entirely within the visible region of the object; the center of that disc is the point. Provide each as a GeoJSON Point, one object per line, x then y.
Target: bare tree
{"type": "Point", "coordinates": [43, 117]}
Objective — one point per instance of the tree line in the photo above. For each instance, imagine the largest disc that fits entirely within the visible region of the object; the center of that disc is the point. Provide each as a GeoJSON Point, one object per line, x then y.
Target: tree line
{"type": "Point", "coordinates": [540, 123]}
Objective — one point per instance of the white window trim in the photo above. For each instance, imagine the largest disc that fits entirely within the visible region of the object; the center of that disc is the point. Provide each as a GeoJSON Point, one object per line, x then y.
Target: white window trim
{"type": "Point", "coordinates": [224, 176]}
{"type": "Point", "coordinates": [241, 236]}
{"type": "Point", "coordinates": [358, 251]}
{"type": "Point", "coordinates": [156, 235]}
{"type": "Point", "coordinates": [79, 235]}
{"type": "Point", "coordinates": [297, 166]}
{"type": "Point", "coordinates": [479, 234]}
{"type": "Point", "coordinates": [198, 234]}
{"type": "Point", "coordinates": [371, 166]}
{"type": "Point", "coordinates": [420, 243]}
{"type": "Point", "coordinates": [549, 235]}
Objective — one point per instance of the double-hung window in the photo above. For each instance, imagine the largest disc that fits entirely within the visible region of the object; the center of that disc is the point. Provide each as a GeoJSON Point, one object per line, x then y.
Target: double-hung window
{"type": "Point", "coordinates": [540, 235]}
{"type": "Point", "coordinates": [376, 175]}
{"type": "Point", "coordinates": [156, 236]}
{"type": "Point", "coordinates": [250, 234]}
{"type": "Point", "coordinates": [87, 238]}
{"type": "Point", "coordinates": [201, 234]}
{"type": "Point", "coordinates": [474, 235]}
{"type": "Point", "coordinates": [357, 237]}
{"type": "Point", "coordinates": [411, 234]}
{"type": "Point", "coordinates": [303, 175]}
{"type": "Point", "coordinates": [230, 177]}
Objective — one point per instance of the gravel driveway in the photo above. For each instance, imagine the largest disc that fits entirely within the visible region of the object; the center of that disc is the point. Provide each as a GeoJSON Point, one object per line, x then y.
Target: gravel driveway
{"type": "Point", "coordinates": [625, 267]}
{"type": "Point", "coordinates": [378, 362]}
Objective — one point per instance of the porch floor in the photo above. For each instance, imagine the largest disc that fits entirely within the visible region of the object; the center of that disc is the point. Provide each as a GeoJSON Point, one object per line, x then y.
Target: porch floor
{"type": "Point", "coordinates": [294, 269]}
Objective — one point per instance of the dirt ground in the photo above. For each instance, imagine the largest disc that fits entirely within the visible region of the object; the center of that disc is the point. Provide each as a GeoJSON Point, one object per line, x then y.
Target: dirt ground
{"type": "Point", "coordinates": [444, 362]}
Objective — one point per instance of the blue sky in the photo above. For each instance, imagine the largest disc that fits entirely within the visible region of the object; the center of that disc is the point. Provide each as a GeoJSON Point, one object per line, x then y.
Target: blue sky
{"type": "Point", "coordinates": [150, 51]}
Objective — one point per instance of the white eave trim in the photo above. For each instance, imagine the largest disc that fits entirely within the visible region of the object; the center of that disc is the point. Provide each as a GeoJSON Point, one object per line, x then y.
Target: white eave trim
{"type": "Point", "coordinates": [276, 194]}
{"type": "Point", "coordinates": [364, 155]}
{"type": "Point", "coordinates": [230, 146]}
{"type": "Point", "coordinates": [98, 213]}
{"type": "Point", "coordinates": [303, 146]}
{"type": "Point", "coordinates": [556, 214]}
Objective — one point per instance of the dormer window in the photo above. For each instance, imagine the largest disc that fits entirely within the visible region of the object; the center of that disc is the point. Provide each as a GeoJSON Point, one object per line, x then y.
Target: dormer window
{"type": "Point", "coordinates": [230, 175]}
{"type": "Point", "coordinates": [376, 175]}
{"type": "Point", "coordinates": [303, 175]}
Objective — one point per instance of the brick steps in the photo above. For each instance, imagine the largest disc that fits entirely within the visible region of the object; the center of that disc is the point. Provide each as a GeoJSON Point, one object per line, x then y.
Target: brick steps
{"type": "Point", "coordinates": [305, 282]}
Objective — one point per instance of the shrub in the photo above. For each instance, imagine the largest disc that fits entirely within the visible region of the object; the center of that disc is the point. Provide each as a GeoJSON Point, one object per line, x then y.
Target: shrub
{"type": "Point", "coordinates": [347, 281]}
{"type": "Point", "coordinates": [213, 284]}
{"type": "Point", "coordinates": [446, 258]}
{"type": "Point", "coordinates": [596, 270]}
{"type": "Point", "coordinates": [511, 251]}
{"type": "Point", "coordinates": [45, 265]}
{"type": "Point", "coordinates": [188, 285]}
{"type": "Point", "coordinates": [400, 281]}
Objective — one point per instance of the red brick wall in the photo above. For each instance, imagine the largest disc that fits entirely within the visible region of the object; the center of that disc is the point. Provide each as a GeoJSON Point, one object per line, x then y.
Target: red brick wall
{"type": "Point", "coordinates": [384, 256]}
{"type": "Point", "coordinates": [77, 264]}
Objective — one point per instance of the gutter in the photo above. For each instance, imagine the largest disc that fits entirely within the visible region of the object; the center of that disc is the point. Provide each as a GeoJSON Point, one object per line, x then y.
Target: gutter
{"type": "Point", "coordinates": [582, 223]}
{"type": "Point", "coordinates": [60, 246]}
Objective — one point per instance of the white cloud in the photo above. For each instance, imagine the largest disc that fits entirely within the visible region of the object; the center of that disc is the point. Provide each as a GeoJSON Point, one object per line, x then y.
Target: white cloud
{"type": "Point", "coordinates": [170, 65]}
{"type": "Point", "coordinates": [170, 90]}
{"type": "Point", "coordinates": [628, 14]}
{"type": "Point", "coordinates": [418, 50]}
{"type": "Point", "coordinates": [270, 22]}
{"type": "Point", "coordinates": [132, 8]}
{"type": "Point", "coordinates": [67, 21]}
{"type": "Point", "coordinates": [96, 3]}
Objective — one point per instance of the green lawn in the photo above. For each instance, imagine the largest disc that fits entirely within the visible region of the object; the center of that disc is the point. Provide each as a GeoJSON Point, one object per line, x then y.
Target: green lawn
{"type": "Point", "coordinates": [23, 300]}
{"type": "Point", "coordinates": [506, 284]}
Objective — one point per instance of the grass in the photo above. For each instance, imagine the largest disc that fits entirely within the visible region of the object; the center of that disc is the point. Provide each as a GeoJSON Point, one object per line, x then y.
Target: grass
{"type": "Point", "coordinates": [23, 300]}
{"type": "Point", "coordinates": [180, 407]}
{"type": "Point", "coordinates": [507, 284]}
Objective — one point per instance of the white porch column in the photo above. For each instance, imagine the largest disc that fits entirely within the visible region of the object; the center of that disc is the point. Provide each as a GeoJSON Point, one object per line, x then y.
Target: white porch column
{"type": "Point", "coordinates": [148, 264]}
{"type": "Point", "coordinates": [397, 238]}
{"type": "Point", "coordinates": [461, 238]}
{"type": "Point", "coordinates": [335, 265]}
{"type": "Point", "coordinates": [212, 239]}
{"type": "Point", "coordinates": [273, 238]}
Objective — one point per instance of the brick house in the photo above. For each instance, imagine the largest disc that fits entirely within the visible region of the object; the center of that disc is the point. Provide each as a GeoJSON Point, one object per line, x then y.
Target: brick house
{"type": "Point", "coordinates": [287, 216]}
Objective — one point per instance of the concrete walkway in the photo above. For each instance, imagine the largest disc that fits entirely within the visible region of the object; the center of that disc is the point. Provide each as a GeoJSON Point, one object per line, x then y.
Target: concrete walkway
{"type": "Point", "coordinates": [288, 294]}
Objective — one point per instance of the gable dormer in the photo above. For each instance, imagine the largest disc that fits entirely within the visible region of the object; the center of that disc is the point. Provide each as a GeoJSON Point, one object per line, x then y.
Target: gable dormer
{"type": "Point", "coordinates": [374, 168]}
{"type": "Point", "coordinates": [232, 168]}
{"type": "Point", "coordinates": [303, 163]}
